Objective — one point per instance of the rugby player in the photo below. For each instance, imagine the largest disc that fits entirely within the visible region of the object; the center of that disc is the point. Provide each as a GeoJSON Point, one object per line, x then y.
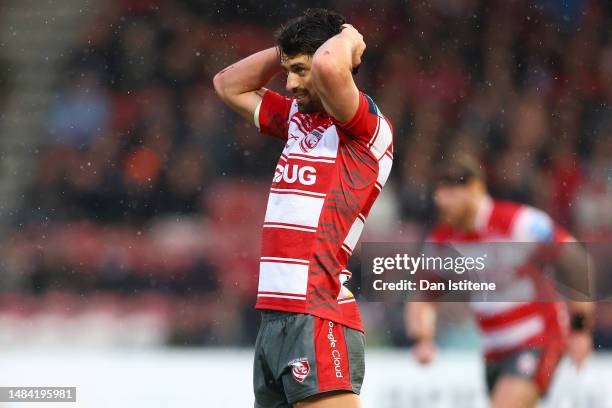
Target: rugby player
{"type": "Point", "coordinates": [522, 341]}
{"type": "Point", "coordinates": [336, 158]}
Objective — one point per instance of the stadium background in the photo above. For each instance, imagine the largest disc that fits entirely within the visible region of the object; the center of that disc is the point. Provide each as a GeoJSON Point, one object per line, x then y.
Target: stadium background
{"type": "Point", "coordinates": [131, 199]}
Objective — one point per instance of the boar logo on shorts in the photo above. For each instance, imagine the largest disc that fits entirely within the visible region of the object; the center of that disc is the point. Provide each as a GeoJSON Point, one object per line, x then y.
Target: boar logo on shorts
{"type": "Point", "coordinates": [299, 369]}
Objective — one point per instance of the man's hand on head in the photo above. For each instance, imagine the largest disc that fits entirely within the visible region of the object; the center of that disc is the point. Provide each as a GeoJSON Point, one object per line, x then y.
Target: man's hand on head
{"type": "Point", "coordinates": [358, 46]}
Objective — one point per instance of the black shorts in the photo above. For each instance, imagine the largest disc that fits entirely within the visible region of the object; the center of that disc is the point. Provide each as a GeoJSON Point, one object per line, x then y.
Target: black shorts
{"type": "Point", "coordinates": [536, 364]}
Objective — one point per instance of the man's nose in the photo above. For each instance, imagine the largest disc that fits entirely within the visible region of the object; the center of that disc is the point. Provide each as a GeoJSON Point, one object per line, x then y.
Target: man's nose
{"type": "Point", "coordinates": [292, 82]}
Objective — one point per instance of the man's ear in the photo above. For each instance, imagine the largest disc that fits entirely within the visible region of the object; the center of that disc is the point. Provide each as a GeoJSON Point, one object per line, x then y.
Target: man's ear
{"type": "Point", "coordinates": [477, 185]}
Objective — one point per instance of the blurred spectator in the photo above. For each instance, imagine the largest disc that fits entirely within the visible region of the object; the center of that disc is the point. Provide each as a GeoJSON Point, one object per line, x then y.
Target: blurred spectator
{"type": "Point", "coordinates": [81, 112]}
{"type": "Point", "coordinates": [147, 183]}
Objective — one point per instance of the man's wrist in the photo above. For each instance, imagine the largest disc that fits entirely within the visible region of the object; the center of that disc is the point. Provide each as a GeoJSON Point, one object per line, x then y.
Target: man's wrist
{"type": "Point", "coordinates": [422, 338]}
{"type": "Point", "coordinates": [349, 39]}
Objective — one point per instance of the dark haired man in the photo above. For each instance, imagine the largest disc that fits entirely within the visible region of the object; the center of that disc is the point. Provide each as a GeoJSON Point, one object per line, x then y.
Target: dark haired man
{"type": "Point", "coordinates": [522, 341]}
{"type": "Point", "coordinates": [337, 156]}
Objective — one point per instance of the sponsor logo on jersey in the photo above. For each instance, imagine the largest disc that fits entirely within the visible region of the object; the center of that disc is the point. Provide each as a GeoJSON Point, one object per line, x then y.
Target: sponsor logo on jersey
{"type": "Point", "coordinates": [306, 175]}
{"type": "Point", "coordinates": [335, 353]}
{"type": "Point", "coordinates": [310, 141]}
{"type": "Point", "coordinates": [299, 368]}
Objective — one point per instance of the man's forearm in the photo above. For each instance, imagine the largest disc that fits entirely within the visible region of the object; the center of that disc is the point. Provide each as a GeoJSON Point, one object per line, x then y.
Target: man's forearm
{"type": "Point", "coordinates": [337, 50]}
{"type": "Point", "coordinates": [248, 74]}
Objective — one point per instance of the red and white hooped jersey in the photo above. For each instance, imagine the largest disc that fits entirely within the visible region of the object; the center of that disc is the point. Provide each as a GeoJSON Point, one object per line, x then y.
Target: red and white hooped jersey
{"type": "Point", "coordinates": [510, 326]}
{"type": "Point", "coordinates": [326, 181]}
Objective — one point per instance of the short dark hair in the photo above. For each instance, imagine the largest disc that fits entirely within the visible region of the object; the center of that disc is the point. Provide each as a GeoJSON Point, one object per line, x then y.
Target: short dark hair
{"type": "Point", "coordinates": [306, 33]}
{"type": "Point", "coordinates": [459, 169]}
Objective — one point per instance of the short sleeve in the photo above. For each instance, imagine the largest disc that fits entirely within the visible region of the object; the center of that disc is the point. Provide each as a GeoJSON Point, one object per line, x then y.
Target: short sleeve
{"type": "Point", "coordinates": [369, 126]}
{"type": "Point", "coordinates": [533, 225]}
{"type": "Point", "coordinates": [274, 115]}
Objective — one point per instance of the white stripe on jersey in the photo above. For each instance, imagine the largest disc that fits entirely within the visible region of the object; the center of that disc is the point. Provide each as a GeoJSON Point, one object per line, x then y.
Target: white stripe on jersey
{"type": "Point", "coordinates": [383, 139]}
{"type": "Point", "coordinates": [384, 168]}
{"type": "Point", "coordinates": [512, 336]}
{"type": "Point", "coordinates": [487, 309]}
{"type": "Point", "coordinates": [354, 233]}
{"type": "Point", "coordinates": [283, 278]}
{"type": "Point", "coordinates": [313, 159]}
{"type": "Point", "coordinates": [298, 210]}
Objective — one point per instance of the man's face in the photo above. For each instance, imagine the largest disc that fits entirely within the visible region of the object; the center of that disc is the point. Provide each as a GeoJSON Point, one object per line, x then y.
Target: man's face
{"type": "Point", "coordinates": [299, 83]}
{"type": "Point", "coordinates": [453, 203]}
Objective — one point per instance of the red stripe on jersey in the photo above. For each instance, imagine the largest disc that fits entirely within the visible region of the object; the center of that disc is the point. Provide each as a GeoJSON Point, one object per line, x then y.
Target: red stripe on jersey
{"type": "Point", "coordinates": [547, 364]}
{"type": "Point", "coordinates": [284, 261]}
{"type": "Point", "coordinates": [351, 315]}
{"type": "Point", "coordinates": [370, 201]}
{"type": "Point", "coordinates": [283, 304]}
{"type": "Point", "coordinates": [373, 139]}
{"type": "Point", "coordinates": [288, 226]}
{"type": "Point", "coordinates": [282, 293]}
{"type": "Point", "coordinates": [297, 192]}
{"type": "Point", "coordinates": [508, 317]}
{"type": "Point", "coordinates": [331, 354]}
{"type": "Point", "coordinates": [286, 243]}
{"type": "Point", "coordinates": [342, 256]}
{"type": "Point", "coordinates": [311, 156]}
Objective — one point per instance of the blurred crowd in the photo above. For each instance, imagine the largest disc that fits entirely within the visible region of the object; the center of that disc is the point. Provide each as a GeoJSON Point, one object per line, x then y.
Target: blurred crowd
{"type": "Point", "coordinates": [147, 187]}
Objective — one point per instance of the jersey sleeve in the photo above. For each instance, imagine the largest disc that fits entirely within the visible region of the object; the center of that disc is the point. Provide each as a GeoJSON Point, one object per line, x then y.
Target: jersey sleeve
{"type": "Point", "coordinates": [273, 115]}
{"type": "Point", "coordinates": [368, 127]}
{"type": "Point", "coordinates": [533, 225]}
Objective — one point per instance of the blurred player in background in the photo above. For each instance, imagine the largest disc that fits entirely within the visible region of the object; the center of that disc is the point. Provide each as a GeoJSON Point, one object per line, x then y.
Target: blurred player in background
{"type": "Point", "coordinates": [522, 341]}
{"type": "Point", "coordinates": [337, 156]}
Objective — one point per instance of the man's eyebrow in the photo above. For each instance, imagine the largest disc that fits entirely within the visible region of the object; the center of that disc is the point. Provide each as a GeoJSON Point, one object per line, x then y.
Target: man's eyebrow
{"type": "Point", "coordinates": [293, 66]}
